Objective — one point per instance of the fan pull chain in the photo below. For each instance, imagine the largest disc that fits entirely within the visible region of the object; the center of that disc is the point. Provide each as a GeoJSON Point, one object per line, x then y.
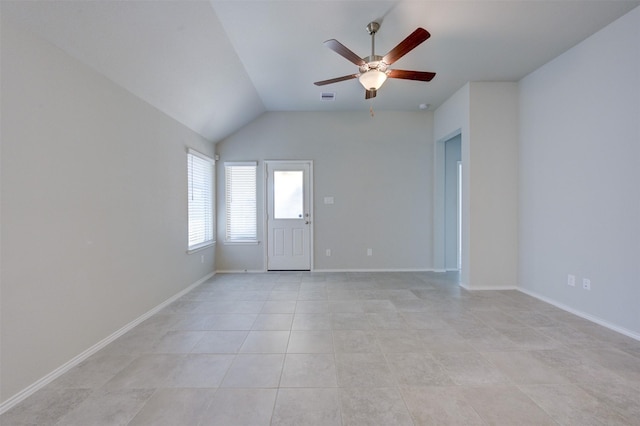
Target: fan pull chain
{"type": "Point", "coordinates": [371, 111]}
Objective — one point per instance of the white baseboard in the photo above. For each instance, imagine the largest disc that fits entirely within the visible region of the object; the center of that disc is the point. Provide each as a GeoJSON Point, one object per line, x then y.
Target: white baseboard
{"type": "Point", "coordinates": [487, 287]}
{"type": "Point", "coordinates": [244, 271]}
{"type": "Point", "coordinates": [377, 270]}
{"type": "Point", "coordinates": [36, 386]}
{"type": "Point", "coordinates": [589, 317]}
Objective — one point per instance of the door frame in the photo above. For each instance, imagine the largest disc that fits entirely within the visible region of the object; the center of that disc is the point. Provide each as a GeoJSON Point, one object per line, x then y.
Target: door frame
{"type": "Point", "coordinates": [265, 209]}
{"type": "Point", "coordinates": [439, 235]}
{"type": "Point", "coordinates": [459, 207]}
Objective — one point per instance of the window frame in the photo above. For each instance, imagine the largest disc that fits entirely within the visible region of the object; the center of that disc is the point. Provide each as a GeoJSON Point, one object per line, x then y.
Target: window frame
{"type": "Point", "coordinates": [210, 221]}
{"type": "Point", "coordinates": [252, 239]}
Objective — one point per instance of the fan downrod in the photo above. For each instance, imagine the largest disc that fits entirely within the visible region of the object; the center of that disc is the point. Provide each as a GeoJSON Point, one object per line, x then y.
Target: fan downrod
{"type": "Point", "coordinates": [372, 29]}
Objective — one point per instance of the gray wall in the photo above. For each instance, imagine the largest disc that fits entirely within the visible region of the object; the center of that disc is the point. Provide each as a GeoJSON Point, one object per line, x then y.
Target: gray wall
{"type": "Point", "coordinates": [579, 177]}
{"type": "Point", "coordinates": [93, 185]}
{"type": "Point", "coordinates": [485, 114]}
{"type": "Point", "coordinates": [94, 224]}
{"type": "Point", "coordinates": [378, 169]}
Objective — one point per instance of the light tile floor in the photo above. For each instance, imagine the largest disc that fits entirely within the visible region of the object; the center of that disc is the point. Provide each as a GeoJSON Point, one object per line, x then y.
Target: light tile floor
{"type": "Point", "coordinates": [349, 349]}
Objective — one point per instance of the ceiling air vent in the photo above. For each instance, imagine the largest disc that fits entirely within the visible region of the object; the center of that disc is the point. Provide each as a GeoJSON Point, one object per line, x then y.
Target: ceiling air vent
{"type": "Point", "coordinates": [328, 96]}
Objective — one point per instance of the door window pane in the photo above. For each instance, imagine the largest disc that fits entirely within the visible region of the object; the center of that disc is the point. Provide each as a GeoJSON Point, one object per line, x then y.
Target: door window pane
{"type": "Point", "coordinates": [288, 194]}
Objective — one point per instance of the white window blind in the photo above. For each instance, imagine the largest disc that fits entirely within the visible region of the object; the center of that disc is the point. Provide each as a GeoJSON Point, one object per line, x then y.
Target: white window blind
{"type": "Point", "coordinates": [240, 199]}
{"type": "Point", "coordinates": [200, 170]}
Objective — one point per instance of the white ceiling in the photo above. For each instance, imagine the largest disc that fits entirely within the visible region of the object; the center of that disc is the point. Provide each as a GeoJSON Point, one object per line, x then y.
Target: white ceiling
{"type": "Point", "coordinates": [216, 65]}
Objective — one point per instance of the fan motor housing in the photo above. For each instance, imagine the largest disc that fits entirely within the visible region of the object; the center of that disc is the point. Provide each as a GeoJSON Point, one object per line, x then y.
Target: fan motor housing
{"type": "Point", "coordinates": [373, 62]}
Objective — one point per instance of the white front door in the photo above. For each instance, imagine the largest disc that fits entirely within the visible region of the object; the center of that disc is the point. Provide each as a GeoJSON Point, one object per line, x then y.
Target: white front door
{"type": "Point", "coordinates": [289, 215]}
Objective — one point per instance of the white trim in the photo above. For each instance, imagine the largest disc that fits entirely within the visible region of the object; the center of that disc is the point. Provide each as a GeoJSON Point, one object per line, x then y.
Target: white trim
{"type": "Point", "coordinates": [377, 270]}
{"type": "Point", "coordinates": [42, 382]}
{"type": "Point", "coordinates": [265, 212]}
{"type": "Point", "coordinates": [229, 167]}
{"type": "Point", "coordinates": [192, 248]}
{"type": "Point", "coordinates": [451, 135]}
{"type": "Point", "coordinates": [589, 317]}
{"type": "Point", "coordinates": [201, 246]}
{"type": "Point", "coordinates": [241, 163]}
{"type": "Point", "coordinates": [259, 271]}
{"type": "Point", "coordinates": [487, 287]}
{"type": "Point", "coordinates": [438, 185]}
{"type": "Point", "coordinates": [200, 155]}
{"type": "Point", "coordinates": [241, 243]}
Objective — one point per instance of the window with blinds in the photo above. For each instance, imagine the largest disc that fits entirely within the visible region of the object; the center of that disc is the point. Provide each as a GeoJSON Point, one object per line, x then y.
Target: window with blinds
{"type": "Point", "coordinates": [241, 208]}
{"type": "Point", "coordinates": [201, 194]}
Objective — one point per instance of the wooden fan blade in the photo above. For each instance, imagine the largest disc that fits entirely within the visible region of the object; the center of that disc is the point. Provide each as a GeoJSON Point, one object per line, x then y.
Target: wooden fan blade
{"type": "Point", "coordinates": [336, 80]}
{"type": "Point", "coordinates": [368, 94]}
{"type": "Point", "coordinates": [406, 45]}
{"type": "Point", "coordinates": [411, 75]}
{"type": "Point", "coordinates": [344, 51]}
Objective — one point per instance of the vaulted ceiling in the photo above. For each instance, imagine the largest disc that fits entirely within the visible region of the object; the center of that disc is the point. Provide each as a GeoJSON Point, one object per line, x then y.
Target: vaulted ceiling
{"type": "Point", "coordinates": [216, 65]}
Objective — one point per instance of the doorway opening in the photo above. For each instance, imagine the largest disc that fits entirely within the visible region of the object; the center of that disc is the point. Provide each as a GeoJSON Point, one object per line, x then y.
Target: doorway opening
{"type": "Point", "coordinates": [453, 204]}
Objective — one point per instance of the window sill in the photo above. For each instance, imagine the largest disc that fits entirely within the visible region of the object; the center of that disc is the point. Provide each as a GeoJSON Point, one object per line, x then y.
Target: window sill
{"type": "Point", "coordinates": [241, 243]}
{"type": "Point", "coordinates": [201, 247]}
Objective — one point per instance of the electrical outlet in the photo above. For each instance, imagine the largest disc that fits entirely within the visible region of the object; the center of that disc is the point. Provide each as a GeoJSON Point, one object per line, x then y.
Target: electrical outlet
{"type": "Point", "coordinates": [586, 283]}
{"type": "Point", "coordinates": [202, 258]}
{"type": "Point", "coordinates": [369, 252]}
{"type": "Point", "coordinates": [571, 280]}
{"type": "Point", "coordinates": [327, 252]}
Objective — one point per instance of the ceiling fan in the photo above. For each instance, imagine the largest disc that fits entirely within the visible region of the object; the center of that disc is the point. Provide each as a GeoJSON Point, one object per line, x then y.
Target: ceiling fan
{"type": "Point", "coordinates": [374, 69]}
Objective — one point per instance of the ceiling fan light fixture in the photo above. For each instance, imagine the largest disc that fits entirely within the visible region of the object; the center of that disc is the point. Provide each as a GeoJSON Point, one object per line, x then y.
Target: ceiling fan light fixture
{"type": "Point", "coordinates": [372, 79]}
{"type": "Point", "coordinates": [373, 70]}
